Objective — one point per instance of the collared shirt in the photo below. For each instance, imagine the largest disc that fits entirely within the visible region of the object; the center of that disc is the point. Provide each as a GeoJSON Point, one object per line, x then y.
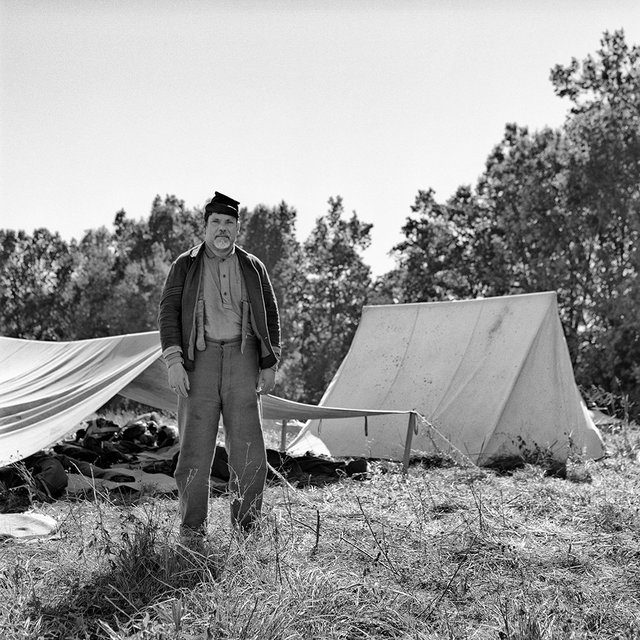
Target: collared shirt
{"type": "Point", "coordinates": [223, 292]}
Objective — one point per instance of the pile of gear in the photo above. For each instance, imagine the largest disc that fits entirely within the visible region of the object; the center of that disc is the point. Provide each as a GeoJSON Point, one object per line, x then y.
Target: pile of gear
{"type": "Point", "coordinates": [140, 456]}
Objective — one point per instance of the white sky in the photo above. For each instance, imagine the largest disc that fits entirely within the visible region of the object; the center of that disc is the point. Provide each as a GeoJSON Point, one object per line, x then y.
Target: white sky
{"type": "Point", "coordinates": [104, 104]}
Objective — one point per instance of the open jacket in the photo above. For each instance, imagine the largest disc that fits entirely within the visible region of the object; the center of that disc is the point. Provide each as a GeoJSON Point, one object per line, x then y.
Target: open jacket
{"type": "Point", "coordinates": [177, 316]}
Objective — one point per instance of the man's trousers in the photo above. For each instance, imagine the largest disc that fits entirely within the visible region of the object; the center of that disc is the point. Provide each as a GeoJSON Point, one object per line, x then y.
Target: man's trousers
{"type": "Point", "coordinates": [223, 382]}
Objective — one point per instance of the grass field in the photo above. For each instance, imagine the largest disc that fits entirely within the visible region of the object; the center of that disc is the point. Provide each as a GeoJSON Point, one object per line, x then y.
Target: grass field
{"type": "Point", "coordinates": [443, 552]}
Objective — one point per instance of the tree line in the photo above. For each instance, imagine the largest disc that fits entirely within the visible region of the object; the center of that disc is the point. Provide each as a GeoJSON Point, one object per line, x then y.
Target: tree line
{"type": "Point", "coordinates": [555, 209]}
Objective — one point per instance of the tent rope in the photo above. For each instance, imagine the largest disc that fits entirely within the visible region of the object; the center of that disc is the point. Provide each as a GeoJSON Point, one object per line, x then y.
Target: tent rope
{"type": "Point", "coordinates": [430, 427]}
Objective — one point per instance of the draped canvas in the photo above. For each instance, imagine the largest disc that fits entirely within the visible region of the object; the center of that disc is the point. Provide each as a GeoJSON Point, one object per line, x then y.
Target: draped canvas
{"type": "Point", "coordinates": [48, 388]}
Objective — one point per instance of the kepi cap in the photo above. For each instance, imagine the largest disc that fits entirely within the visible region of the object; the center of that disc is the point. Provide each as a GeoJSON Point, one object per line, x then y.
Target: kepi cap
{"type": "Point", "coordinates": [221, 204]}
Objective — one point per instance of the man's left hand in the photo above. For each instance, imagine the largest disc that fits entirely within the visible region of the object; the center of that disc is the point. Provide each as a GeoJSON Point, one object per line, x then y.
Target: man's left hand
{"type": "Point", "coordinates": [266, 381]}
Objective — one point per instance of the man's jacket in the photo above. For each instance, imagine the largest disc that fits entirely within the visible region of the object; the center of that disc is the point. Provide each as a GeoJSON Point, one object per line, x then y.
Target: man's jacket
{"type": "Point", "coordinates": [177, 317]}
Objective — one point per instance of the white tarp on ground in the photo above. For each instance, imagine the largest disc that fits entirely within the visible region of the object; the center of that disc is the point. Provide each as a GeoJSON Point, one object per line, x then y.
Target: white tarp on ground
{"type": "Point", "coordinates": [26, 525]}
{"type": "Point", "coordinates": [48, 388]}
{"type": "Point", "coordinates": [493, 376]}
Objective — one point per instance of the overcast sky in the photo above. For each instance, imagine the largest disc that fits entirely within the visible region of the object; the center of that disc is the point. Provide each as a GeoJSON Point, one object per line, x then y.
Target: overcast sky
{"type": "Point", "coordinates": [103, 105]}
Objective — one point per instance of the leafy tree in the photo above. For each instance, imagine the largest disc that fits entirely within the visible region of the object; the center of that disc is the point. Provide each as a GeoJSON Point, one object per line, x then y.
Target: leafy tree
{"type": "Point", "coordinates": [89, 294]}
{"type": "Point", "coordinates": [448, 249]}
{"type": "Point", "coordinates": [169, 225]}
{"type": "Point", "coordinates": [387, 288]}
{"type": "Point", "coordinates": [33, 272]}
{"type": "Point", "coordinates": [329, 301]}
{"type": "Point", "coordinates": [144, 250]}
{"type": "Point", "coordinates": [135, 297]}
{"type": "Point", "coordinates": [542, 238]}
{"type": "Point", "coordinates": [603, 188]}
{"type": "Point", "coordinates": [118, 277]}
{"type": "Point", "coordinates": [269, 233]}
{"type": "Point", "coordinates": [173, 226]}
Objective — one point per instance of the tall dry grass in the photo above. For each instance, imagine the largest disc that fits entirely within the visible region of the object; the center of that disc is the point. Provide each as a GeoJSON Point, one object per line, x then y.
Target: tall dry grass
{"type": "Point", "coordinates": [443, 552]}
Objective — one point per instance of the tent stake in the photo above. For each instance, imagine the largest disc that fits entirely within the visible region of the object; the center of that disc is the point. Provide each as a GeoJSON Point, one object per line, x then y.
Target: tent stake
{"type": "Point", "coordinates": [407, 446]}
{"type": "Point", "coordinates": [283, 435]}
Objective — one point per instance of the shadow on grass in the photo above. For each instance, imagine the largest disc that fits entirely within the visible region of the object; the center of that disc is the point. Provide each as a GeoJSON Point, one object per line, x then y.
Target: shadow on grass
{"type": "Point", "coordinates": [136, 579]}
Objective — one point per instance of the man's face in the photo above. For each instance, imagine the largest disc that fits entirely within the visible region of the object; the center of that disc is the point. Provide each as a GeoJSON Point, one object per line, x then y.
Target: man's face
{"type": "Point", "coordinates": [221, 232]}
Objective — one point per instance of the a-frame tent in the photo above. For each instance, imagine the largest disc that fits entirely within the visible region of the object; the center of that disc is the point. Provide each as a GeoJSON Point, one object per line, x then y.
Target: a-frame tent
{"type": "Point", "coordinates": [491, 376]}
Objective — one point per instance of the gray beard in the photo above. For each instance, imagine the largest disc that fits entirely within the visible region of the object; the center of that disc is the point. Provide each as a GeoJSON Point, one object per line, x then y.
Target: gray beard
{"type": "Point", "coordinates": [221, 243]}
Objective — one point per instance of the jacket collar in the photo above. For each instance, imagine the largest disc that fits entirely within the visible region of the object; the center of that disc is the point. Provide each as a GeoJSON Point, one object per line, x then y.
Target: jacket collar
{"type": "Point", "coordinates": [199, 248]}
{"type": "Point", "coordinates": [193, 252]}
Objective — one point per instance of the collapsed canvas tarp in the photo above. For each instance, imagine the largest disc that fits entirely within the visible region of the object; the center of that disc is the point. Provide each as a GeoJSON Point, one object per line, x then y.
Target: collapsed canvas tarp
{"type": "Point", "coordinates": [48, 388]}
{"type": "Point", "coordinates": [492, 376]}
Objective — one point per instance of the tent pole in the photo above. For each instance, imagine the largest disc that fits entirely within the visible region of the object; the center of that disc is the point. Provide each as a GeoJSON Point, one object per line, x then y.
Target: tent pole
{"type": "Point", "coordinates": [283, 435]}
{"type": "Point", "coordinates": [407, 445]}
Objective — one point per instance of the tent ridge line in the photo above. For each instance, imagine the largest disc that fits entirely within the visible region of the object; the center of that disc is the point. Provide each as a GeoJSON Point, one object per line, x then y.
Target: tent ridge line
{"type": "Point", "coordinates": [395, 305]}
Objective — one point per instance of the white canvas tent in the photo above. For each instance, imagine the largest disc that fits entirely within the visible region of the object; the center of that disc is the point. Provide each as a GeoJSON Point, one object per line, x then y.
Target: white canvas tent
{"type": "Point", "coordinates": [48, 388]}
{"type": "Point", "coordinates": [492, 376]}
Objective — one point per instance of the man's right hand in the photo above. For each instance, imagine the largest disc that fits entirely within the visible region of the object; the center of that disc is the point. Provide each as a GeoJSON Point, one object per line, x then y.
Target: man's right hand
{"type": "Point", "coordinates": [178, 379]}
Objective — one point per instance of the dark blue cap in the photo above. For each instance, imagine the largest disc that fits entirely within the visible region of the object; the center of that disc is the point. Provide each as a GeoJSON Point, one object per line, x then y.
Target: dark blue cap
{"type": "Point", "coordinates": [221, 204]}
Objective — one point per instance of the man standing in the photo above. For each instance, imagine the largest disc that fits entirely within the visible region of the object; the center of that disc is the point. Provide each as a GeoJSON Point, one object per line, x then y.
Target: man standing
{"type": "Point", "coordinates": [220, 336]}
